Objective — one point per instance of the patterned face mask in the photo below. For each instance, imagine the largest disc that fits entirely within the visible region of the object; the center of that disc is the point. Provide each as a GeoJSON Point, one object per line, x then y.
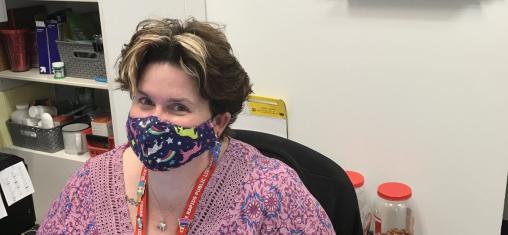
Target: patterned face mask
{"type": "Point", "coordinates": [161, 145]}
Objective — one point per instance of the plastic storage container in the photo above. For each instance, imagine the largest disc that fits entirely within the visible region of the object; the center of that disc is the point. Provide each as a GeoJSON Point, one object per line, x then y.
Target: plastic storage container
{"type": "Point", "coordinates": [20, 115]}
{"type": "Point", "coordinates": [81, 59]}
{"type": "Point", "coordinates": [46, 140]}
{"type": "Point", "coordinates": [16, 42]}
{"type": "Point", "coordinates": [364, 204]}
{"type": "Point", "coordinates": [393, 214]}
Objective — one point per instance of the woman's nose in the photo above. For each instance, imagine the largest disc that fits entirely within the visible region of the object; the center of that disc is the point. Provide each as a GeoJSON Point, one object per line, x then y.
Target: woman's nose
{"type": "Point", "coordinates": [158, 112]}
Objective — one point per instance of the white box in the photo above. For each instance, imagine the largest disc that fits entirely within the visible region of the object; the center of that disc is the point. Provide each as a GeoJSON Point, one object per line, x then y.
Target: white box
{"type": "Point", "coordinates": [102, 127]}
{"type": "Point", "coordinates": [3, 11]}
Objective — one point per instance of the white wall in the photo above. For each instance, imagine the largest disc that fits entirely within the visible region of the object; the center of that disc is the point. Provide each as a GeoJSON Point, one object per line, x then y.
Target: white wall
{"type": "Point", "coordinates": [413, 91]}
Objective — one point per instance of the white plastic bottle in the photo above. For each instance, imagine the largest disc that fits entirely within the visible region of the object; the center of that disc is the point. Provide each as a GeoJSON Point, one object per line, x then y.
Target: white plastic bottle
{"type": "Point", "coordinates": [20, 115]}
{"type": "Point", "coordinates": [37, 111]}
{"type": "Point", "coordinates": [364, 204]}
{"type": "Point", "coordinates": [47, 121]}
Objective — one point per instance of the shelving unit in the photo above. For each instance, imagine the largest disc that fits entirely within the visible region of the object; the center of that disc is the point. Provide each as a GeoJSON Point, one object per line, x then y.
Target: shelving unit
{"type": "Point", "coordinates": [33, 75]}
{"type": "Point", "coordinates": [50, 171]}
{"type": "Point", "coordinates": [65, 0]}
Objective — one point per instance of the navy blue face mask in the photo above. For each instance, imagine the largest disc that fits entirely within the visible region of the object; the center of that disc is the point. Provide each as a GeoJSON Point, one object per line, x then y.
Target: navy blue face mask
{"type": "Point", "coordinates": [162, 146]}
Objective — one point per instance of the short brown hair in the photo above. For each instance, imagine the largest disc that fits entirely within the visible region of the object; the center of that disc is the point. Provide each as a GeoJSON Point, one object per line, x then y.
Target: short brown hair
{"type": "Point", "coordinates": [200, 49]}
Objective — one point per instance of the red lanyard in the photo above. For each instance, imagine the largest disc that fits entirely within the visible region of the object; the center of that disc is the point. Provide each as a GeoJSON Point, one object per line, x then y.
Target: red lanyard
{"type": "Point", "coordinates": [140, 194]}
{"type": "Point", "coordinates": [190, 206]}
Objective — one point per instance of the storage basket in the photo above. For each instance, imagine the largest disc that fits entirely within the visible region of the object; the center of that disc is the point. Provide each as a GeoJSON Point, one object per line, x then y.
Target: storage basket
{"type": "Point", "coordinates": [46, 140]}
{"type": "Point", "coordinates": [81, 60]}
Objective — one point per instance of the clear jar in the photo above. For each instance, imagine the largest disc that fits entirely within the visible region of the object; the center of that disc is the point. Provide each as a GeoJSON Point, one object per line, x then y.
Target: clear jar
{"type": "Point", "coordinates": [393, 214]}
{"type": "Point", "coordinates": [364, 204]}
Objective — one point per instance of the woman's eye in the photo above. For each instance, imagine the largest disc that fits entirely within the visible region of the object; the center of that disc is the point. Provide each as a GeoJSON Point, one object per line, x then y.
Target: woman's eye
{"type": "Point", "coordinates": [145, 101]}
{"type": "Point", "coordinates": [178, 108]}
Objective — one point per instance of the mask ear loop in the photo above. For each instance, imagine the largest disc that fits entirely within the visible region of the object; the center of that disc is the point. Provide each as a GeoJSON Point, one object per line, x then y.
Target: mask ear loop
{"type": "Point", "coordinates": [216, 149]}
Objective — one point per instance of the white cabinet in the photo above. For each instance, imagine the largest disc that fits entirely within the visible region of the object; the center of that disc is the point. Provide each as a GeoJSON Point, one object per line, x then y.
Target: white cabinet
{"type": "Point", "coordinates": [118, 22]}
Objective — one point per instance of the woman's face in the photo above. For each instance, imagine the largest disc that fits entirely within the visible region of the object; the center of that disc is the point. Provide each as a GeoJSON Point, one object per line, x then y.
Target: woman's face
{"type": "Point", "coordinates": [167, 92]}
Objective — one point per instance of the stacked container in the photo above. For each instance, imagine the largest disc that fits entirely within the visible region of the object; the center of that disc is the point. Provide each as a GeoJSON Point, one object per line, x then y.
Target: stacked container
{"type": "Point", "coordinates": [393, 214]}
{"type": "Point", "coordinates": [364, 204]}
{"type": "Point", "coordinates": [16, 42]}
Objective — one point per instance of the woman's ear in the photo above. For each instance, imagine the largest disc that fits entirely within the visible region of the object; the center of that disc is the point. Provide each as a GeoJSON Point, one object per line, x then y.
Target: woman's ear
{"type": "Point", "coordinates": [220, 122]}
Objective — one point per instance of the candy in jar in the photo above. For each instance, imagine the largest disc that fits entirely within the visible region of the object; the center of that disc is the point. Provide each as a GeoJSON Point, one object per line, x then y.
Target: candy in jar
{"type": "Point", "coordinates": [393, 214]}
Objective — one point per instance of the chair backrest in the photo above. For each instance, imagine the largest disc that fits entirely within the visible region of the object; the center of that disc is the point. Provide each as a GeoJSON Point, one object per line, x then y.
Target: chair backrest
{"type": "Point", "coordinates": [326, 180]}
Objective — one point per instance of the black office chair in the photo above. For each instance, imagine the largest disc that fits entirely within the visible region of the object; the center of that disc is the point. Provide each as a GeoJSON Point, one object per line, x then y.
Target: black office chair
{"type": "Point", "coordinates": [326, 180]}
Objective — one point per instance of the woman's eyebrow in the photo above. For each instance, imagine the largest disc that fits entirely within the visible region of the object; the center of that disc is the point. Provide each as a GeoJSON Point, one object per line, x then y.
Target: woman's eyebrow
{"type": "Point", "coordinates": [180, 100]}
{"type": "Point", "coordinates": [143, 93]}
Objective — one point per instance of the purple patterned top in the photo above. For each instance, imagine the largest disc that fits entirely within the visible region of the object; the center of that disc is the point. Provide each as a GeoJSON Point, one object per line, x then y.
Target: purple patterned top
{"type": "Point", "coordinates": [247, 194]}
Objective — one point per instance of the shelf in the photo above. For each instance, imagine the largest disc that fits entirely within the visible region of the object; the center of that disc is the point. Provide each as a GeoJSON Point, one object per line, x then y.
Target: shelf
{"type": "Point", "coordinates": [24, 152]}
{"type": "Point", "coordinates": [65, 0]}
{"type": "Point", "coordinates": [33, 75]}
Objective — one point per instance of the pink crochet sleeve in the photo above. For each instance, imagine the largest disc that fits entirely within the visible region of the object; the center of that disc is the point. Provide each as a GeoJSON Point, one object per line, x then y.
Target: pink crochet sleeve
{"type": "Point", "coordinates": [273, 200]}
{"type": "Point", "coordinates": [72, 211]}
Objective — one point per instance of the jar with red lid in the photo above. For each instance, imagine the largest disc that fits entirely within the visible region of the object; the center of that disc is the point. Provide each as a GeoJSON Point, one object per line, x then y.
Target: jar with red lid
{"type": "Point", "coordinates": [393, 214]}
{"type": "Point", "coordinates": [364, 204]}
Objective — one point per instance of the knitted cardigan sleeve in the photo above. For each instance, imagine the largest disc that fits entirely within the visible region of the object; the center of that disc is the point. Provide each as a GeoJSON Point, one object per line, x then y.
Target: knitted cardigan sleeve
{"type": "Point", "coordinates": [72, 212]}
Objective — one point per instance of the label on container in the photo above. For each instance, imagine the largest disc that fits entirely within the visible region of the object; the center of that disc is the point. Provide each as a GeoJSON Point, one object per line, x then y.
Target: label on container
{"type": "Point", "coordinates": [367, 221]}
{"type": "Point", "coordinates": [377, 225]}
{"type": "Point", "coordinates": [28, 133]}
{"type": "Point", "coordinates": [58, 72]}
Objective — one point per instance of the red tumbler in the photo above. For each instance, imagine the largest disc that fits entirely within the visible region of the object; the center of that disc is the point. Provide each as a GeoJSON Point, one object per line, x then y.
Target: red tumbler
{"type": "Point", "coordinates": [15, 41]}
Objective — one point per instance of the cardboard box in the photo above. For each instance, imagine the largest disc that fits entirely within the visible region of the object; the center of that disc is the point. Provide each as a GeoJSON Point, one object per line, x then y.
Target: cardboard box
{"type": "Point", "coordinates": [102, 126]}
{"type": "Point", "coordinates": [47, 34]}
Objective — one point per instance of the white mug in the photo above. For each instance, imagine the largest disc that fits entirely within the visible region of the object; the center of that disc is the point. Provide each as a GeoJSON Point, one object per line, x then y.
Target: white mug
{"type": "Point", "coordinates": [74, 139]}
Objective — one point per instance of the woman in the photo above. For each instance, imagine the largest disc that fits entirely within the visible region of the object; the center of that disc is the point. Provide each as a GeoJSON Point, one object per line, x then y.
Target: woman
{"type": "Point", "coordinates": [180, 172]}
